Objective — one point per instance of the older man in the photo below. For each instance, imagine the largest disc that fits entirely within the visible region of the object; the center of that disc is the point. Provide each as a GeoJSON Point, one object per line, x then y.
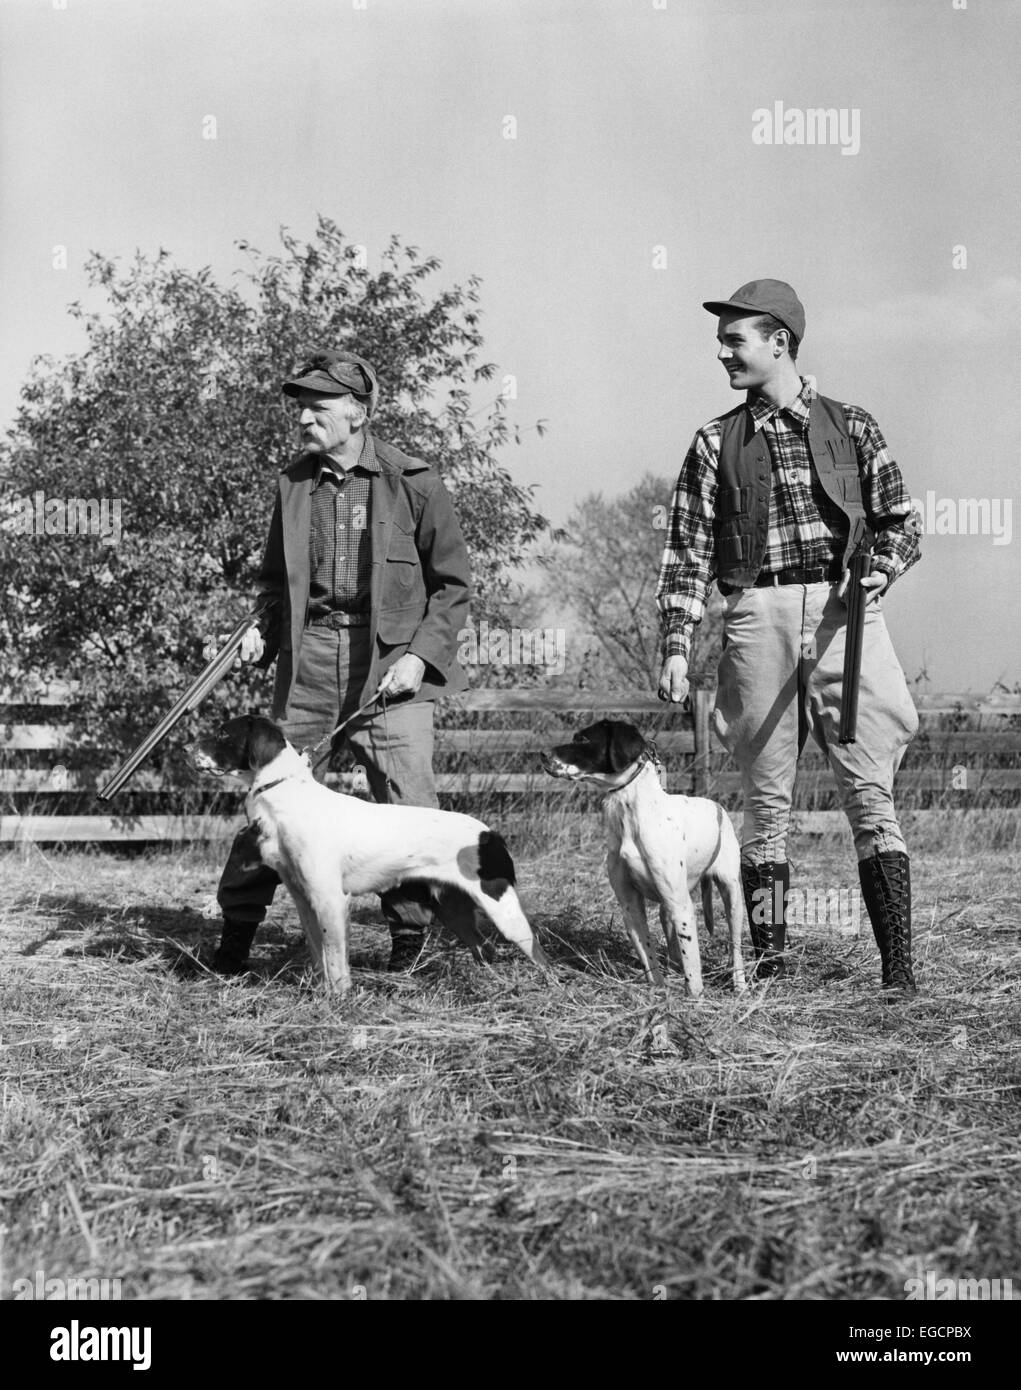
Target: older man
{"type": "Point", "coordinates": [367, 575]}
{"type": "Point", "coordinates": [769, 501]}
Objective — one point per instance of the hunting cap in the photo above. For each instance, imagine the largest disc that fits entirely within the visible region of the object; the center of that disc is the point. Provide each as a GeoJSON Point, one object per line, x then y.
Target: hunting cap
{"type": "Point", "coordinates": [335, 374]}
{"type": "Point", "coordinates": [765, 297]}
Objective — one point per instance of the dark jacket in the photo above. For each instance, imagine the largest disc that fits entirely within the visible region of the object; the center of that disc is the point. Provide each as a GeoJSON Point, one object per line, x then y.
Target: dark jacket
{"type": "Point", "coordinates": [420, 580]}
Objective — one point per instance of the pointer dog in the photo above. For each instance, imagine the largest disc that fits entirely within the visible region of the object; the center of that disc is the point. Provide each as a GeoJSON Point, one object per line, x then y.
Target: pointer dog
{"type": "Point", "coordinates": [658, 847]}
{"type": "Point", "coordinates": [326, 846]}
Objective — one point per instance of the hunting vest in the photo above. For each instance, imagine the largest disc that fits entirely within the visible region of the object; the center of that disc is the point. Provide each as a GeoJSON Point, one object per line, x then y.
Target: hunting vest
{"type": "Point", "coordinates": [744, 479]}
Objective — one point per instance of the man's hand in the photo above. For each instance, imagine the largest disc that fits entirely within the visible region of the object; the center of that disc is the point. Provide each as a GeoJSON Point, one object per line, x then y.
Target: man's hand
{"type": "Point", "coordinates": [404, 677]}
{"type": "Point", "coordinates": [251, 649]}
{"type": "Point", "coordinates": [873, 583]}
{"type": "Point", "coordinates": [252, 645]}
{"type": "Point", "coordinates": [673, 680]}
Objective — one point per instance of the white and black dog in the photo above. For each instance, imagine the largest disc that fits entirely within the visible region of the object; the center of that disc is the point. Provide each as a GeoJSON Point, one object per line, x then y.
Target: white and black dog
{"type": "Point", "coordinates": [326, 846]}
{"type": "Point", "coordinates": [658, 846]}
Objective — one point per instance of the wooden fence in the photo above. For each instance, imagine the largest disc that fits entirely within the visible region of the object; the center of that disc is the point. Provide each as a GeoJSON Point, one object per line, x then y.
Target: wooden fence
{"type": "Point", "coordinates": [967, 754]}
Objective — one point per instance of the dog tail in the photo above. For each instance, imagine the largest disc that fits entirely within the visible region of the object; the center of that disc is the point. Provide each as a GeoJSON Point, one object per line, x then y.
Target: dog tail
{"type": "Point", "coordinates": [707, 904]}
{"type": "Point", "coordinates": [496, 867]}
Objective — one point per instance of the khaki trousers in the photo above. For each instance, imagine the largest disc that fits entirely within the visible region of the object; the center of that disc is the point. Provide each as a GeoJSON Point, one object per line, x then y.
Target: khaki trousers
{"type": "Point", "coordinates": [780, 678]}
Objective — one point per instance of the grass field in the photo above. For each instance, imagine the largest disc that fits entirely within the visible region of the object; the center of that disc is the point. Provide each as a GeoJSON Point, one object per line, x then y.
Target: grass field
{"type": "Point", "coordinates": [472, 1134]}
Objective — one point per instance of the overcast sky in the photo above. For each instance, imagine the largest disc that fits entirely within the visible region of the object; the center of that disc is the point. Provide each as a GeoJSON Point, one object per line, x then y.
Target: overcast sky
{"type": "Point", "coordinates": [632, 190]}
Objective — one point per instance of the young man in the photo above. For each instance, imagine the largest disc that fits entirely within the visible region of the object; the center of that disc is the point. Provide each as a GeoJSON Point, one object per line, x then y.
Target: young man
{"type": "Point", "coordinates": [366, 571]}
{"type": "Point", "coordinates": [769, 503]}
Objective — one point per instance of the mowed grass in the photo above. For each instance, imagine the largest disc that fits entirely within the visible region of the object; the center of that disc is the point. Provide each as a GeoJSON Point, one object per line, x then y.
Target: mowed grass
{"type": "Point", "coordinates": [471, 1133]}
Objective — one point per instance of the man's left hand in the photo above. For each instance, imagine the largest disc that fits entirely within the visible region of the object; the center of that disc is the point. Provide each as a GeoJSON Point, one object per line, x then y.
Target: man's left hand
{"type": "Point", "coordinates": [404, 677]}
{"type": "Point", "coordinates": [874, 584]}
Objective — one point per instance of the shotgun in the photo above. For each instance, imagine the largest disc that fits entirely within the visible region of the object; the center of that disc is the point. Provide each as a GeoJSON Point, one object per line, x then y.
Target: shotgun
{"type": "Point", "coordinates": [190, 700]}
{"type": "Point", "coordinates": [860, 566]}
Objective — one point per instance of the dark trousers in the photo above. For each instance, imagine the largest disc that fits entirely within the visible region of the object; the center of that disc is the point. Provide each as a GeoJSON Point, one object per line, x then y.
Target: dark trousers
{"type": "Point", "coordinates": [395, 749]}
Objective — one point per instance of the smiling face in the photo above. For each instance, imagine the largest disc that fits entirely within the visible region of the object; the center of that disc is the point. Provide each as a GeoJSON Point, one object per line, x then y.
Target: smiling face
{"type": "Point", "coordinates": [751, 360]}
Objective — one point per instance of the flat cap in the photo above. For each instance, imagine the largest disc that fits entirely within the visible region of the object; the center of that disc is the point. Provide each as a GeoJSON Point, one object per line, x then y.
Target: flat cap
{"type": "Point", "coordinates": [335, 374]}
{"type": "Point", "coordinates": [765, 297]}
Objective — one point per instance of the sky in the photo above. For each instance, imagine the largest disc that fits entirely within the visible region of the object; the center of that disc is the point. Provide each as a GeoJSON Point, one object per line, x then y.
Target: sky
{"type": "Point", "coordinates": [602, 166]}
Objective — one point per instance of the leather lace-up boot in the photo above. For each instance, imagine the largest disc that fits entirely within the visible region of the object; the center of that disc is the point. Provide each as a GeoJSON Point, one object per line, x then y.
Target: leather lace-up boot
{"type": "Point", "coordinates": [765, 895]}
{"type": "Point", "coordinates": [886, 888]}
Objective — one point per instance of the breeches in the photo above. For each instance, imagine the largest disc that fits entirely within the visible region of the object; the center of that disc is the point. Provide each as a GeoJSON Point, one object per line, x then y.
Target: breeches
{"type": "Point", "coordinates": [780, 678]}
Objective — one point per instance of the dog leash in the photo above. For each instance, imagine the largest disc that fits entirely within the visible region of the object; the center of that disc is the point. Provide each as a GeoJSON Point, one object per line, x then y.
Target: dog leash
{"type": "Point", "coordinates": [307, 752]}
{"type": "Point", "coordinates": [328, 738]}
{"type": "Point", "coordinates": [386, 740]}
{"type": "Point", "coordinates": [652, 754]}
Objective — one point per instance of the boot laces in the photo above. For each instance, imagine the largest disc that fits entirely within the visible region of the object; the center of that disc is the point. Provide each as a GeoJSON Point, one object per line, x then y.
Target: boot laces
{"type": "Point", "coordinates": [893, 895]}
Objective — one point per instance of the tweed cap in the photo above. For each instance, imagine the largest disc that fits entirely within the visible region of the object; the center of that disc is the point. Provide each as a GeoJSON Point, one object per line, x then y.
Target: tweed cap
{"type": "Point", "coordinates": [335, 374]}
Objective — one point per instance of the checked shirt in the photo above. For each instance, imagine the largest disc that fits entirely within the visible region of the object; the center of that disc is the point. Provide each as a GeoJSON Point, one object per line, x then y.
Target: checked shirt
{"type": "Point", "coordinates": [806, 529]}
{"type": "Point", "coordinates": [340, 545]}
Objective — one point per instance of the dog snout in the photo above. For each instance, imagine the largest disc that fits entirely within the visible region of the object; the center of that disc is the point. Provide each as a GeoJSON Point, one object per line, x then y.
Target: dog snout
{"type": "Point", "coordinates": [203, 755]}
{"type": "Point", "coordinates": [554, 764]}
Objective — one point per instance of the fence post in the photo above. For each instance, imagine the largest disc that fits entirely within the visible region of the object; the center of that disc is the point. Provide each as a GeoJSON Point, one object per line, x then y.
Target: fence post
{"type": "Point", "coordinates": [701, 702]}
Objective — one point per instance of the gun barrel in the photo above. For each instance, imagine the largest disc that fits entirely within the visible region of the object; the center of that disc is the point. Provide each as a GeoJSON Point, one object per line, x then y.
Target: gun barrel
{"type": "Point", "coordinates": [210, 676]}
{"type": "Point", "coordinates": [854, 636]}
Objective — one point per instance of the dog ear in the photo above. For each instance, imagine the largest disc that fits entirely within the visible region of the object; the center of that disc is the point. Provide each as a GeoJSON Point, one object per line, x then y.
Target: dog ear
{"type": "Point", "coordinates": [626, 745]}
{"type": "Point", "coordinates": [234, 733]}
{"type": "Point", "coordinates": [265, 741]}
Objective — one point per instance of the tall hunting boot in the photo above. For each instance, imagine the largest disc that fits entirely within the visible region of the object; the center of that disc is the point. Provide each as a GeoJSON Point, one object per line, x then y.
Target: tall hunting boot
{"type": "Point", "coordinates": [231, 956]}
{"type": "Point", "coordinates": [765, 895]}
{"type": "Point", "coordinates": [886, 888]}
{"type": "Point", "coordinates": [408, 910]}
{"type": "Point", "coordinates": [244, 893]}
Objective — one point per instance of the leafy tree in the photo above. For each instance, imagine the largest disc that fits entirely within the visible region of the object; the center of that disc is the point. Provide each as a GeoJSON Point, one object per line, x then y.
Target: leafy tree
{"type": "Point", "coordinates": [174, 411]}
{"type": "Point", "coordinates": [604, 569]}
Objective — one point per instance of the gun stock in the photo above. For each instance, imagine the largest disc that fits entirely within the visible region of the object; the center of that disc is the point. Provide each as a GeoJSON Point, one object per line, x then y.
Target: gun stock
{"type": "Point", "coordinates": [859, 568]}
{"type": "Point", "coordinates": [190, 700]}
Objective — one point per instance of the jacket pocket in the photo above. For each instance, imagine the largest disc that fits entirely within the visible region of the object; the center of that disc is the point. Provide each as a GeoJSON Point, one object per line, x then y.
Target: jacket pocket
{"type": "Point", "coordinates": [733, 549]}
{"type": "Point", "coordinates": [733, 501]}
{"type": "Point", "coordinates": [402, 578]}
{"type": "Point", "coordinates": [843, 453]}
{"type": "Point", "coordinates": [398, 626]}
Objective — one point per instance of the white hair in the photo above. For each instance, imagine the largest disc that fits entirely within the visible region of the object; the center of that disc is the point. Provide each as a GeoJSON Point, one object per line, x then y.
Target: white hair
{"type": "Point", "coordinates": [356, 411]}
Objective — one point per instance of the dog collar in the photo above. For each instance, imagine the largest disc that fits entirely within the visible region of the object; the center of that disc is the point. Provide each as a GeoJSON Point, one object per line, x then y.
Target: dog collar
{"type": "Point", "coordinates": [267, 785]}
{"type": "Point", "coordinates": [650, 755]}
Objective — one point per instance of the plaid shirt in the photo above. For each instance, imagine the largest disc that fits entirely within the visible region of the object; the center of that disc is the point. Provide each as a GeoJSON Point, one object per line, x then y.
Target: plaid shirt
{"type": "Point", "coordinates": [806, 529]}
{"type": "Point", "coordinates": [340, 546]}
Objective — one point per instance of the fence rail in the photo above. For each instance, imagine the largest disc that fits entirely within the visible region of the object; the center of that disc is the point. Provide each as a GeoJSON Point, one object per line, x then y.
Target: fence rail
{"type": "Point", "coordinates": [956, 760]}
{"type": "Point", "coordinates": [561, 699]}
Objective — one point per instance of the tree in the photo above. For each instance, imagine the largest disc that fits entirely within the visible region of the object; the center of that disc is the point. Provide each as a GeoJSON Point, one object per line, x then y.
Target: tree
{"type": "Point", "coordinates": [604, 569]}
{"type": "Point", "coordinates": [173, 412]}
